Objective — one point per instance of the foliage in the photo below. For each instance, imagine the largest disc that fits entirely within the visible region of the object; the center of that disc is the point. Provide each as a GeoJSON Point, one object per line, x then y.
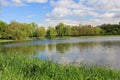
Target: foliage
{"type": "Point", "coordinates": [21, 31]}
{"type": "Point", "coordinates": [110, 29]}
{"type": "Point", "coordinates": [67, 30]}
{"type": "Point", "coordinates": [51, 33]}
{"type": "Point", "coordinates": [60, 29]}
{"type": "Point", "coordinates": [3, 29]}
{"type": "Point", "coordinates": [18, 31]}
{"type": "Point", "coordinates": [40, 32]}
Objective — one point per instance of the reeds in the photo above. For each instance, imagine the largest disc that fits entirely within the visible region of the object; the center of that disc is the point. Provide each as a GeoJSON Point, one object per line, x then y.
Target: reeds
{"type": "Point", "coordinates": [22, 67]}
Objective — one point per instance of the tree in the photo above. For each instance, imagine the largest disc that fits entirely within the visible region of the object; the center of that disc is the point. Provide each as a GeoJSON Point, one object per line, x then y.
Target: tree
{"type": "Point", "coordinates": [98, 31]}
{"type": "Point", "coordinates": [3, 29]}
{"type": "Point", "coordinates": [17, 31]}
{"type": "Point", "coordinates": [111, 29]}
{"type": "Point", "coordinates": [40, 32]}
{"type": "Point", "coordinates": [74, 31]}
{"type": "Point", "coordinates": [28, 29]}
{"type": "Point", "coordinates": [0, 35]}
{"type": "Point", "coordinates": [34, 27]}
{"type": "Point", "coordinates": [60, 29]}
{"type": "Point", "coordinates": [67, 30]}
{"type": "Point", "coordinates": [51, 33]}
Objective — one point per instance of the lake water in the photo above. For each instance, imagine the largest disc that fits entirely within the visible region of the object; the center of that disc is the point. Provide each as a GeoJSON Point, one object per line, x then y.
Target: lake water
{"type": "Point", "coordinates": [103, 51]}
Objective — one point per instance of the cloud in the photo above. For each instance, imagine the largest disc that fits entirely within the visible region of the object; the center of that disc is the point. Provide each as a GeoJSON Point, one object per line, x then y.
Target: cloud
{"type": "Point", "coordinates": [59, 13]}
{"type": "Point", "coordinates": [17, 1]}
{"type": "Point", "coordinates": [31, 16]}
{"type": "Point", "coordinates": [12, 3]}
{"type": "Point", "coordinates": [65, 8]}
{"type": "Point", "coordinates": [20, 2]}
{"type": "Point", "coordinates": [86, 11]}
{"type": "Point", "coordinates": [53, 22]}
{"type": "Point", "coordinates": [69, 11]}
{"type": "Point", "coordinates": [106, 5]}
{"type": "Point", "coordinates": [117, 15]}
{"type": "Point", "coordinates": [36, 1]}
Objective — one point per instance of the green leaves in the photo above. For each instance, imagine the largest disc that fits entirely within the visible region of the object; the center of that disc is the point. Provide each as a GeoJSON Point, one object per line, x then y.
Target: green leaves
{"type": "Point", "coordinates": [24, 31]}
{"type": "Point", "coordinates": [51, 33]}
{"type": "Point", "coordinates": [40, 32]}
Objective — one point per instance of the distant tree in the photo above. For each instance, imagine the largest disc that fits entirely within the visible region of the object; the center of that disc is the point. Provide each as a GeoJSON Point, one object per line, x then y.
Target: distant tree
{"type": "Point", "coordinates": [0, 35]}
{"type": "Point", "coordinates": [60, 29]}
{"type": "Point", "coordinates": [20, 31]}
{"type": "Point", "coordinates": [51, 33]}
{"type": "Point", "coordinates": [3, 29]}
{"type": "Point", "coordinates": [34, 26]}
{"type": "Point", "coordinates": [28, 28]}
{"type": "Point", "coordinates": [67, 30]}
{"type": "Point", "coordinates": [17, 31]}
{"type": "Point", "coordinates": [98, 31]}
{"type": "Point", "coordinates": [40, 32]}
{"type": "Point", "coordinates": [84, 31]}
{"type": "Point", "coordinates": [74, 31]}
{"type": "Point", "coordinates": [111, 29]}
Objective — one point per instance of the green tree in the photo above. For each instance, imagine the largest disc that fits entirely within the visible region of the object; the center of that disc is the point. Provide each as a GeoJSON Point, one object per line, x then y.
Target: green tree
{"type": "Point", "coordinates": [60, 29]}
{"type": "Point", "coordinates": [67, 30]}
{"type": "Point", "coordinates": [40, 32]}
{"type": "Point", "coordinates": [17, 31]}
{"type": "Point", "coordinates": [111, 29]}
{"type": "Point", "coordinates": [74, 31]}
{"type": "Point", "coordinates": [98, 31]}
{"type": "Point", "coordinates": [3, 29]}
{"type": "Point", "coordinates": [34, 27]}
{"type": "Point", "coordinates": [51, 33]}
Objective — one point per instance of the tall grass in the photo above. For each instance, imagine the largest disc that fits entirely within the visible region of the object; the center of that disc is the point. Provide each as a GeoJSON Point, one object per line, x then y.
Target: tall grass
{"type": "Point", "coordinates": [22, 67]}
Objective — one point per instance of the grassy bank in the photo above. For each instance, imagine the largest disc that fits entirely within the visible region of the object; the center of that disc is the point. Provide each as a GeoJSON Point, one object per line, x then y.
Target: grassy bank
{"type": "Point", "coordinates": [1, 40]}
{"type": "Point", "coordinates": [21, 67]}
{"type": "Point", "coordinates": [64, 37]}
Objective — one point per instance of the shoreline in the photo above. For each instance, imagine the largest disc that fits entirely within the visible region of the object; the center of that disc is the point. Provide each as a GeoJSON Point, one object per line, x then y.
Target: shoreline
{"type": "Point", "coordinates": [34, 68]}
{"type": "Point", "coordinates": [64, 37]}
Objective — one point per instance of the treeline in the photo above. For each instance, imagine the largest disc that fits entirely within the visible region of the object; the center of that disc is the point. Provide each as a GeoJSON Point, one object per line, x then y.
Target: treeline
{"type": "Point", "coordinates": [20, 31]}
{"type": "Point", "coordinates": [110, 29]}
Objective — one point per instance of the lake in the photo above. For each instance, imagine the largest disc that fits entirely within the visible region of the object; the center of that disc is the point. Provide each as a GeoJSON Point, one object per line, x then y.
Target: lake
{"type": "Point", "coordinates": [104, 51]}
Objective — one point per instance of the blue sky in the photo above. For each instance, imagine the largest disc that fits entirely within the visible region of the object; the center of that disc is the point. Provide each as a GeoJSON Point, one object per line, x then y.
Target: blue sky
{"type": "Point", "coordinates": [52, 12]}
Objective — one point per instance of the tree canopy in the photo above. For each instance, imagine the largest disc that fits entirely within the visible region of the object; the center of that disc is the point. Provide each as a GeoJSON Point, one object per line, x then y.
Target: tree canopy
{"type": "Point", "coordinates": [21, 31]}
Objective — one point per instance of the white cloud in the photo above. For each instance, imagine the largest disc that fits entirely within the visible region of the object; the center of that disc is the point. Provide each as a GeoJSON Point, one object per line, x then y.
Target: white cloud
{"type": "Point", "coordinates": [36, 1]}
{"type": "Point", "coordinates": [4, 3]}
{"type": "Point", "coordinates": [59, 13]}
{"type": "Point", "coordinates": [86, 11]}
{"type": "Point", "coordinates": [108, 15]}
{"type": "Point", "coordinates": [103, 20]}
{"type": "Point", "coordinates": [104, 4]}
{"type": "Point", "coordinates": [64, 8]}
{"type": "Point", "coordinates": [31, 16]}
{"type": "Point", "coordinates": [17, 1]}
{"type": "Point", "coordinates": [99, 11]}
{"type": "Point", "coordinates": [78, 12]}
{"type": "Point", "coordinates": [12, 3]}
{"type": "Point", "coordinates": [117, 15]}
{"type": "Point", "coordinates": [66, 21]}
{"type": "Point", "coordinates": [20, 2]}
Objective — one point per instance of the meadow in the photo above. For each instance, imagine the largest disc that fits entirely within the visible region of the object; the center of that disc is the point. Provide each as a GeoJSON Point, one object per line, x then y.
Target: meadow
{"type": "Point", "coordinates": [16, 66]}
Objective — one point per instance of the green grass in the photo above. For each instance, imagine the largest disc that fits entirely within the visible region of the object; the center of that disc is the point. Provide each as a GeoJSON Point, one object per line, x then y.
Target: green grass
{"type": "Point", "coordinates": [2, 40]}
{"type": "Point", "coordinates": [22, 67]}
{"type": "Point", "coordinates": [64, 37]}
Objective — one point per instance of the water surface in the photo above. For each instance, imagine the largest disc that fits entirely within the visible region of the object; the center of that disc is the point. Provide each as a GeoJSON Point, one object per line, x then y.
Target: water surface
{"type": "Point", "coordinates": [103, 51]}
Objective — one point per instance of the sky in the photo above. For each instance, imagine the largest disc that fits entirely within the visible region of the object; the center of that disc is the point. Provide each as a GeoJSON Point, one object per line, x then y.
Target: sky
{"type": "Point", "coordinates": [52, 12]}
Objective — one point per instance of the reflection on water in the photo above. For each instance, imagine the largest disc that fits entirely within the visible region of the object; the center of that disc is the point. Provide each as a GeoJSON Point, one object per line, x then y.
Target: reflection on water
{"type": "Point", "coordinates": [99, 50]}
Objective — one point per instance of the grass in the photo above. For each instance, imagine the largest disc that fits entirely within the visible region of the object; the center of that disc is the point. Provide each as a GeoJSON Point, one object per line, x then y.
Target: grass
{"type": "Point", "coordinates": [64, 37]}
{"type": "Point", "coordinates": [22, 67]}
{"type": "Point", "coordinates": [2, 40]}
